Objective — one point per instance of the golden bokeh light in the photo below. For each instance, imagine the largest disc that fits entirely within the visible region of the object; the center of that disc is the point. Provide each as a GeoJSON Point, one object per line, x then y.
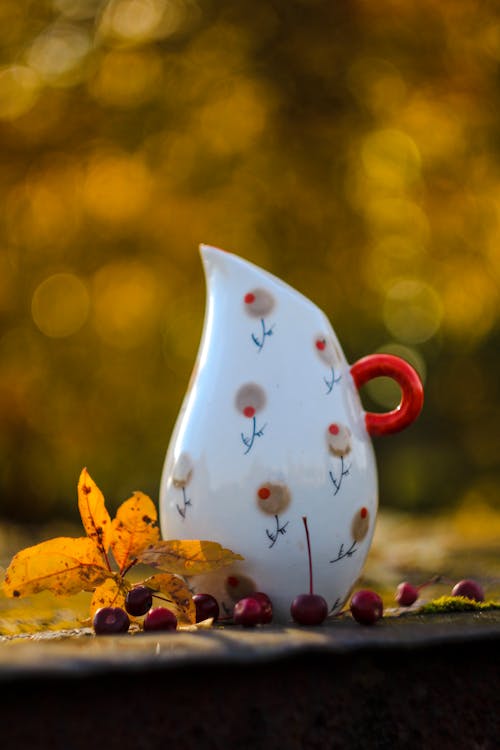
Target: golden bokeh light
{"type": "Point", "coordinates": [378, 84]}
{"type": "Point", "coordinates": [125, 301]}
{"type": "Point", "coordinates": [19, 90]}
{"type": "Point", "coordinates": [435, 127]}
{"type": "Point", "coordinates": [117, 187]}
{"type": "Point", "coordinates": [234, 118]}
{"type": "Point", "coordinates": [60, 305]}
{"type": "Point", "coordinates": [471, 299]}
{"type": "Point", "coordinates": [58, 54]}
{"type": "Point", "coordinates": [391, 159]}
{"type": "Point", "coordinates": [77, 10]}
{"type": "Point", "coordinates": [127, 78]}
{"type": "Point", "coordinates": [138, 21]}
{"type": "Point", "coordinates": [44, 210]}
{"type": "Point", "coordinates": [412, 311]}
{"type": "Point", "coordinates": [351, 150]}
{"type": "Point", "coordinates": [397, 216]}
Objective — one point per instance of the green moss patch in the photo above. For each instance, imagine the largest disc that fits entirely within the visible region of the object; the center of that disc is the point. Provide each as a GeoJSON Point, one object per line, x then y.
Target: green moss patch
{"type": "Point", "coordinates": [457, 604]}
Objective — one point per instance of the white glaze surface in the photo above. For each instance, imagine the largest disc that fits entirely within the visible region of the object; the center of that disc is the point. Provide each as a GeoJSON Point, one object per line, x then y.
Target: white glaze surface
{"type": "Point", "coordinates": [306, 440]}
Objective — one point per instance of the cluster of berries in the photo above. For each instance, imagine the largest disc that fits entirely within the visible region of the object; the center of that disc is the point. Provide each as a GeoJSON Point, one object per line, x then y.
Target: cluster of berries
{"type": "Point", "coordinates": [407, 594]}
{"type": "Point", "coordinates": [139, 601]}
{"type": "Point", "coordinates": [366, 606]}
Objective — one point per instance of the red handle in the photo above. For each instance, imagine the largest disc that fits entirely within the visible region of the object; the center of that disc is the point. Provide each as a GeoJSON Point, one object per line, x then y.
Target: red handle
{"type": "Point", "coordinates": [412, 392]}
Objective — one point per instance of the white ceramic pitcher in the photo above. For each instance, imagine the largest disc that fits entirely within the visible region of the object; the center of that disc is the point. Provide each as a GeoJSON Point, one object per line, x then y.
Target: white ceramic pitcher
{"type": "Point", "coordinates": [271, 430]}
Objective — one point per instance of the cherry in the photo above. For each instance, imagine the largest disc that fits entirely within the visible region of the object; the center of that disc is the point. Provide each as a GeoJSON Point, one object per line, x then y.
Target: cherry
{"type": "Point", "coordinates": [247, 612]}
{"type": "Point", "coordinates": [206, 606]}
{"type": "Point", "coordinates": [311, 608]}
{"type": "Point", "coordinates": [160, 618]}
{"type": "Point", "coordinates": [139, 600]}
{"type": "Point", "coordinates": [470, 589]}
{"type": "Point", "coordinates": [406, 594]}
{"type": "Point", "coordinates": [366, 607]}
{"type": "Point", "coordinates": [110, 620]}
{"type": "Point", "coordinates": [266, 607]}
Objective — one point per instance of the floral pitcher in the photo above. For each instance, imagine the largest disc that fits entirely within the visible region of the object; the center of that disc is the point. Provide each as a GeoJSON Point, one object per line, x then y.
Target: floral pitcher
{"type": "Point", "coordinates": [271, 430]}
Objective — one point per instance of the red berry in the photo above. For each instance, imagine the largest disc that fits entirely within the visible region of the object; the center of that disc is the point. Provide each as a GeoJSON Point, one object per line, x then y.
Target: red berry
{"type": "Point", "coordinates": [366, 607]}
{"type": "Point", "coordinates": [406, 594]}
{"type": "Point", "coordinates": [264, 493]}
{"type": "Point", "coordinates": [470, 589]}
{"type": "Point", "coordinates": [333, 429]}
{"type": "Point", "coordinates": [110, 620]}
{"type": "Point", "coordinates": [249, 411]}
{"type": "Point", "coordinates": [247, 612]}
{"type": "Point", "coordinates": [320, 344]}
{"type": "Point", "coordinates": [249, 298]}
{"type": "Point", "coordinates": [309, 609]}
{"type": "Point", "coordinates": [160, 618]}
{"type": "Point", "coordinates": [266, 607]}
{"type": "Point", "coordinates": [139, 600]}
{"type": "Point", "coordinates": [206, 606]}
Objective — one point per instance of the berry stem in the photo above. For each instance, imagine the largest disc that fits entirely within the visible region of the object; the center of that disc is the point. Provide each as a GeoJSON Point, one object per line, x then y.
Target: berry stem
{"type": "Point", "coordinates": [434, 579]}
{"type": "Point", "coordinates": [304, 519]}
{"type": "Point", "coordinates": [131, 564]}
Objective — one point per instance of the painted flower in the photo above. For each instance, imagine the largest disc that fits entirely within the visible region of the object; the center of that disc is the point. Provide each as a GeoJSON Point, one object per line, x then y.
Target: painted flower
{"type": "Point", "coordinates": [183, 471]}
{"type": "Point", "coordinates": [250, 399]}
{"type": "Point", "coordinates": [273, 498]}
{"type": "Point", "coordinates": [327, 350]}
{"type": "Point", "coordinates": [258, 303]}
{"type": "Point", "coordinates": [338, 438]}
{"type": "Point", "coordinates": [360, 524]}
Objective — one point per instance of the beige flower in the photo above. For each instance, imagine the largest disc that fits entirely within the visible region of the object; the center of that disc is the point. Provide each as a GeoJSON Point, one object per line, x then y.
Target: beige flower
{"type": "Point", "coordinates": [273, 498]}
{"type": "Point", "coordinates": [360, 524]}
{"type": "Point", "coordinates": [258, 303]}
{"type": "Point", "coordinates": [338, 438]}
{"type": "Point", "coordinates": [250, 399]}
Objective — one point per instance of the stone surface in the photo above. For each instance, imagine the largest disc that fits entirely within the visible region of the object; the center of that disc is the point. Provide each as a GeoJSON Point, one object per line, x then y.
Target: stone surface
{"type": "Point", "coordinates": [407, 682]}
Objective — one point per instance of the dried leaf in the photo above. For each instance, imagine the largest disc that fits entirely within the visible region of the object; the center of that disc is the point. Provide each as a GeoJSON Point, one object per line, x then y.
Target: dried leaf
{"type": "Point", "coordinates": [134, 528]}
{"type": "Point", "coordinates": [111, 593]}
{"type": "Point", "coordinates": [95, 518]}
{"type": "Point", "coordinates": [179, 597]}
{"type": "Point", "coordinates": [62, 565]}
{"type": "Point", "coordinates": [188, 557]}
{"type": "Point", "coordinates": [202, 625]}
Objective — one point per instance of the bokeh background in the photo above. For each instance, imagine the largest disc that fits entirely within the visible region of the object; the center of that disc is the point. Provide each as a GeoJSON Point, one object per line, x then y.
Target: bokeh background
{"type": "Point", "coordinates": [351, 148]}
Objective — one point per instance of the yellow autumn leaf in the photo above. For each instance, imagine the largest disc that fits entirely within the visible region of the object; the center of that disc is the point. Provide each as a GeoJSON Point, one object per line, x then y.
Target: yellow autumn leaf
{"type": "Point", "coordinates": [111, 593]}
{"type": "Point", "coordinates": [95, 518]}
{"type": "Point", "coordinates": [179, 597]}
{"type": "Point", "coordinates": [62, 565]}
{"type": "Point", "coordinates": [134, 528]}
{"type": "Point", "coordinates": [188, 557]}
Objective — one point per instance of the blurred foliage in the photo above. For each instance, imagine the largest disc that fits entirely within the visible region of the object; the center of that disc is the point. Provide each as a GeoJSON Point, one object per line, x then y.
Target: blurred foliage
{"type": "Point", "coordinates": [351, 148]}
